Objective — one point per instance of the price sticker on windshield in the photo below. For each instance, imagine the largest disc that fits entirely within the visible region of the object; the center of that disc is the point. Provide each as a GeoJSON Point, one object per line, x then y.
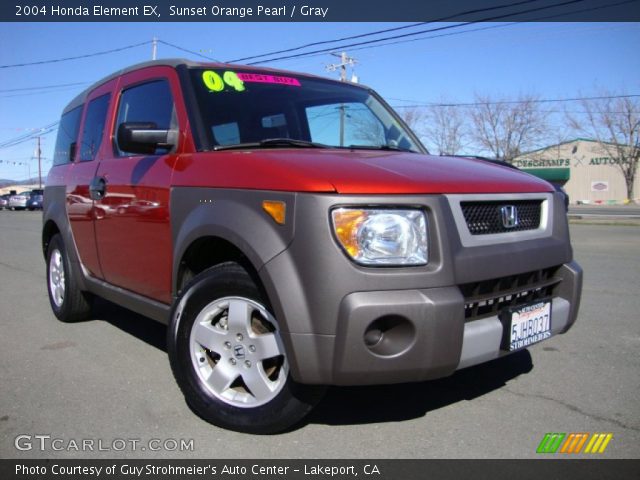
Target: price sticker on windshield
{"type": "Point", "coordinates": [217, 82]}
{"type": "Point", "coordinates": [277, 79]}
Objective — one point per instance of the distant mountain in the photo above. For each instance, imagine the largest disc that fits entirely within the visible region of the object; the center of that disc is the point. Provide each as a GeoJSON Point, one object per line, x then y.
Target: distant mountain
{"type": "Point", "coordinates": [4, 182]}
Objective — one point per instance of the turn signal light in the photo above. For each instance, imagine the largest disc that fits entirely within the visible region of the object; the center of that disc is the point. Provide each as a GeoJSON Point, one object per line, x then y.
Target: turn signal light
{"type": "Point", "coordinates": [276, 209]}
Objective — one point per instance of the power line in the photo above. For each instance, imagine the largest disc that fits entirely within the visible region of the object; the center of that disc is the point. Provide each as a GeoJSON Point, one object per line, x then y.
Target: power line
{"type": "Point", "coordinates": [506, 102]}
{"type": "Point", "coordinates": [324, 42]}
{"type": "Point", "coordinates": [39, 92]}
{"type": "Point", "coordinates": [87, 55]}
{"type": "Point", "coordinates": [377, 32]}
{"type": "Point", "coordinates": [502, 25]}
{"type": "Point", "coordinates": [341, 47]}
{"type": "Point", "coordinates": [44, 86]}
{"type": "Point", "coordinates": [404, 35]}
{"type": "Point", "coordinates": [185, 50]}
{"type": "Point", "coordinates": [29, 136]}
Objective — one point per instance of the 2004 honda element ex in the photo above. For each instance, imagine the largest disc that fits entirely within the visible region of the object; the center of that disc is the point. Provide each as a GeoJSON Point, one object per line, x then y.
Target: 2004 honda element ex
{"type": "Point", "coordinates": [293, 233]}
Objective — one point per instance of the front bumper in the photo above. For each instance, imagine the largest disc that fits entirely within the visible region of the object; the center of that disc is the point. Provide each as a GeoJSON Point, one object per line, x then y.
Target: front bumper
{"type": "Point", "coordinates": [432, 316]}
{"type": "Point", "coordinates": [425, 335]}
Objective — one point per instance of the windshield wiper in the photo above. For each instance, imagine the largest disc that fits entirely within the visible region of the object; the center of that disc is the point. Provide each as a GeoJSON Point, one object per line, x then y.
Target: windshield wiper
{"type": "Point", "coordinates": [394, 148]}
{"type": "Point", "coordinates": [273, 143]}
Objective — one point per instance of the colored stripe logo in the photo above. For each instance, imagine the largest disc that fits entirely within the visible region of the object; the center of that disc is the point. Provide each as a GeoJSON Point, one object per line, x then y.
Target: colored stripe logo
{"type": "Point", "coordinates": [574, 442]}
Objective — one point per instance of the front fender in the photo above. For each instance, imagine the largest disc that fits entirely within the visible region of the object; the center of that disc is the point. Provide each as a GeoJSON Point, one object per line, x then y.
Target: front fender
{"type": "Point", "coordinates": [236, 216]}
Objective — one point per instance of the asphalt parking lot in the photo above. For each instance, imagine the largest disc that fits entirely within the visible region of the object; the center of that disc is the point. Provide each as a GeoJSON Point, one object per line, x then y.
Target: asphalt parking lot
{"type": "Point", "coordinates": [108, 379]}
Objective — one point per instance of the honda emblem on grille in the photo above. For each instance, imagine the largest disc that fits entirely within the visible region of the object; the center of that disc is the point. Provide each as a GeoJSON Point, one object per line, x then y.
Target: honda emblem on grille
{"type": "Point", "coordinates": [509, 216]}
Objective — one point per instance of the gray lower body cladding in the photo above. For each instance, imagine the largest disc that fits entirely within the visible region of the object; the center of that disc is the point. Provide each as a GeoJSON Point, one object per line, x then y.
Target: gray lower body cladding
{"type": "Point", "coordinates": [332, 311]}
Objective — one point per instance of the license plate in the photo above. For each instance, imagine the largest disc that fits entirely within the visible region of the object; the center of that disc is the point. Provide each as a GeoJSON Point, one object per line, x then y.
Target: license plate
{"type": "Point", "coordinates": [526, 325]}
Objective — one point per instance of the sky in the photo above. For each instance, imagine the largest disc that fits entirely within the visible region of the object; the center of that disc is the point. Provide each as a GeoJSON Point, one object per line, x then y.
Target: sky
{"type": "Point", "coordinates": [552, 60]}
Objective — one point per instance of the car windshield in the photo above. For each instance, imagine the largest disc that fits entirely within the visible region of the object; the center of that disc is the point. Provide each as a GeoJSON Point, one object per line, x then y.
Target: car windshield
{"type": "Point", "coordinates": [241, 108]}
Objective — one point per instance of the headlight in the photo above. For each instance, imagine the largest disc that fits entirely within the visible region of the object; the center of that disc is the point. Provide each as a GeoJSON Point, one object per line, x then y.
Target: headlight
{"type": "Point", "coordinates": [382, 237]}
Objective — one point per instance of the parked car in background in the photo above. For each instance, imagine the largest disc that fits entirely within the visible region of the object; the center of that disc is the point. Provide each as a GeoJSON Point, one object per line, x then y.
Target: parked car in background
{"type": "Point", "coordinates": [35, 202]}
{"type": "Point", "coordinates": [19, 201]}
{"type": "Point", "coordinates": [4, 201]}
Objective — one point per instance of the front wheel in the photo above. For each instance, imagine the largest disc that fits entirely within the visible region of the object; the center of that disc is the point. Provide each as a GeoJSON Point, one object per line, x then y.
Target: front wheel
{"type": "Point", "coordinates": [227, 355]}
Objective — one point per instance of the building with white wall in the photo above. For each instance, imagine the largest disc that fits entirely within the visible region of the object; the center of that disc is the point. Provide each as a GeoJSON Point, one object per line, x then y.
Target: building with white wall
{"type": "Point", "coordinates": [584, 168]}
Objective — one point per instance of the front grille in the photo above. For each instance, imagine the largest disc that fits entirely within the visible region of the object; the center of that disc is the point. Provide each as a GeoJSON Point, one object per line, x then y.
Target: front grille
{"type": "Point", "coordinates": [488, 297]}
{"type": "Point", "coordinates": [484, 218]}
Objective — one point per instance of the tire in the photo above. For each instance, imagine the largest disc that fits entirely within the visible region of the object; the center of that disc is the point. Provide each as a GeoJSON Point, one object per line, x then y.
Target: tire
{"type": "Point", "coordinates": [228, 358]}
{"type": "Point", "coordinates": [68, 302]}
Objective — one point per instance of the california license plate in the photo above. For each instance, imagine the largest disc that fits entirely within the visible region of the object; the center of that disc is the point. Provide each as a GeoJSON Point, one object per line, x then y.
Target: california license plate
{"type": "Point", "coordinates": [526, 325]}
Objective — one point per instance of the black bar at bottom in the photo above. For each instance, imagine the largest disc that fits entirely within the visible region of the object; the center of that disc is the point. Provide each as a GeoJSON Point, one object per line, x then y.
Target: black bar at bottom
{"type": "Point", "coordinates": [543, 469]}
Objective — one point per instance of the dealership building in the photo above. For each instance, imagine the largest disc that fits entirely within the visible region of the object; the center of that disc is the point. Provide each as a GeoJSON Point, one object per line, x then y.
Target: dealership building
{"type": "Point", "coordinates": [583, 167]}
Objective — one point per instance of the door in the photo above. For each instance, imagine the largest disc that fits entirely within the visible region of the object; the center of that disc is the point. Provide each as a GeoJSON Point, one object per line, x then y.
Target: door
{"type": "Point", "coordinates": [88, 152]}
{"type": "Point", "coordinates": [133, 232]}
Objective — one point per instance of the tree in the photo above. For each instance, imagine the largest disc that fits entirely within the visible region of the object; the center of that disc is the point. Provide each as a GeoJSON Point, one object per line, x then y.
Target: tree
{"type": "Point", "coordinates": [446, 129]}
{"type": "Point", "coordinates": [614, 122]}
{"type": "Point", "coordinates": [414, 117]}
{"type": "Point", "coordinates": [441, 126]}
{"type": "Point", "coordinates": [507, 128]}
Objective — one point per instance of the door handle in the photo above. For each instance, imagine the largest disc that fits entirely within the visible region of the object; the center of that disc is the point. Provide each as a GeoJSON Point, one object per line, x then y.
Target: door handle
{"type": "Point", "coordinates": [98, 188]}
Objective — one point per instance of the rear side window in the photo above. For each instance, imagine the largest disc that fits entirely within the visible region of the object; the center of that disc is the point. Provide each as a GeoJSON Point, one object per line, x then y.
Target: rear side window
{"type": "Point", "coordinates": [93, 127]}
{"type": "Point", "coordinates": [149, 102]}
{"type": "Point", "coordinates": [67, 135]}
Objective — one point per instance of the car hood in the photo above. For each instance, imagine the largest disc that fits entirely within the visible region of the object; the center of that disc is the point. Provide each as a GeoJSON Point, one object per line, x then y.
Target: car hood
{"type": "Point", "coordinates": [352, 172]}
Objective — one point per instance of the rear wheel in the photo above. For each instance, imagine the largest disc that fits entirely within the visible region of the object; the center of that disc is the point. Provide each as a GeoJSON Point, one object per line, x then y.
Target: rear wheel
{"type": "Point", "coordinates": [68, 302]}
{"type": "Point", "coordinates": [227, 355]}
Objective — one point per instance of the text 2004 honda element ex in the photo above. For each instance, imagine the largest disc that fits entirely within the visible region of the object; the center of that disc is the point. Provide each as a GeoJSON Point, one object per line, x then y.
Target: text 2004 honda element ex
{"type": "Point", "coordinates": [293, 233]}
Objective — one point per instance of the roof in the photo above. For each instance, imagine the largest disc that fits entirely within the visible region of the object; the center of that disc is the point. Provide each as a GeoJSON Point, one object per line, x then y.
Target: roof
{"type": "Point", "coordinates": [174, 63]}
{"type": "Point", "coordinates": [79, 99]}
{"type": "Point", "coordinates": [579, 139]}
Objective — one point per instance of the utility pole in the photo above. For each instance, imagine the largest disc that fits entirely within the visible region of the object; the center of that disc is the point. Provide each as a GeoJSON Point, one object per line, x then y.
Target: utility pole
{"type": "Point", "coordinates": [154, 48]}
{"type": "Point", "coordinates": [343, 67]}
{"type": "Point", "coordinates": [344, 61]}
{"type": "Point", "coordinates": [39, 165]}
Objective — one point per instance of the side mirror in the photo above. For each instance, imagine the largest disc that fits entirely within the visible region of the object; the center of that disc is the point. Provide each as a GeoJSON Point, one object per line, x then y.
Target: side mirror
{"type": "Point", "coordinates": [144, 137]}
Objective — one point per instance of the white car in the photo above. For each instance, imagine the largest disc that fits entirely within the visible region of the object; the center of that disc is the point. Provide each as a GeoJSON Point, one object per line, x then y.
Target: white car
{"type": "Point", "coordinates": [19, 201]}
